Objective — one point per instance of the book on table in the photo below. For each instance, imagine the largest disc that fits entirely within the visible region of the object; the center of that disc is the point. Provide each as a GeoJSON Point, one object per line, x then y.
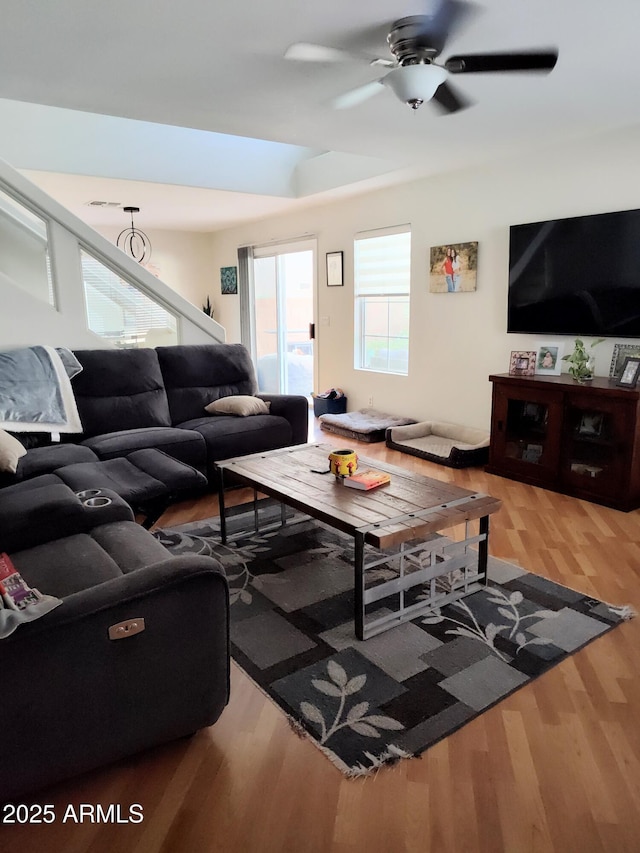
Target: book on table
{"type": "Point", "coordinates": [367, 479]}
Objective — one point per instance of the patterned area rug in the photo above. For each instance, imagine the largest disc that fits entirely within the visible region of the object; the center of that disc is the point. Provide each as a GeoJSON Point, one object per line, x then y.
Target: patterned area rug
{"type": "Point", "coordinates": [369, 703]}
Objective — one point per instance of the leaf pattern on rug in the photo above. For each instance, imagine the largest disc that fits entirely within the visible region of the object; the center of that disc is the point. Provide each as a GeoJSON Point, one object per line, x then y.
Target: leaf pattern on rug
{"type": "Point", "coordinates": [357, 718]}
{"type": "Point", "coordinates": [507, 608]}
{"type": "Point", "coordinates": [235, 559]}
{"type": "Point", "coordinates": [368, 714]}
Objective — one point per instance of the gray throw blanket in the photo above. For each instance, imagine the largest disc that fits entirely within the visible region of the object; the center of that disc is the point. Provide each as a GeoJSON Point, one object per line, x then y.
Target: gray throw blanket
{"type": "Point", "coordinates": [35, 391]}
{"type": "Point", "coordinates": [10, 619]}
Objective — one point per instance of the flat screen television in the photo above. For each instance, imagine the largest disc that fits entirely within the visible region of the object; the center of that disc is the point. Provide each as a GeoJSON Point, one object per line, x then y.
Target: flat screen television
{"type": "Point", "coordinates": [576, 276]}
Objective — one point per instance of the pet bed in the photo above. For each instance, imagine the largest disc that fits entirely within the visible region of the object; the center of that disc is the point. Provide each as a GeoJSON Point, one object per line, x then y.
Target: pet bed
{"type": "Point", "coordinates": [447, 444]}
{"type": "Point", "coordinates": [363, 425]}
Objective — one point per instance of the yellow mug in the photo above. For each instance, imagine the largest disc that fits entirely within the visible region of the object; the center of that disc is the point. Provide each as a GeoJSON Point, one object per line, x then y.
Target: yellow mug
{"type": "Point", "coordinates": [343, 463]}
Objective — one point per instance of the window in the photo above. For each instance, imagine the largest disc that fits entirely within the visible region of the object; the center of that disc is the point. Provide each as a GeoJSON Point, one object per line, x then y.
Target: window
{"type": "Point", "coordinates": [119, 312]}
{"type": "Point", "coordinates": [24, 249]}
{"type": "Point", "coordinates": [382, 288]}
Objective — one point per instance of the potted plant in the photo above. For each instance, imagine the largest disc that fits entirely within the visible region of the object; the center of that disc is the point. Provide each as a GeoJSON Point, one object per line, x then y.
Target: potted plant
{"type": "Point", "coordinates": [582, 361]}
{"type": "Point", "coordinates": [208, 308]}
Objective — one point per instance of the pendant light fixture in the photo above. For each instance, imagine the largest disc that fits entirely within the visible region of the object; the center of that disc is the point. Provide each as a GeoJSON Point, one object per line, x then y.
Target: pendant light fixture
{"type": "Point", "coordinates": [134, 242]}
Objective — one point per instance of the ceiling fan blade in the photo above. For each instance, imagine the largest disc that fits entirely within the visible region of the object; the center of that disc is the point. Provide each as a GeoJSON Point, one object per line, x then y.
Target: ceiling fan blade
{"type": "Point", "coordinates": [307, 52]}
{"type": "Point", "coordinates": [357, 96]}
{"type": "Point", "coordinates": [524, 61]}
{"type": "Point", "coordinates": [443, 18]}
{"type": "Point", "coordinates": [449, 99]}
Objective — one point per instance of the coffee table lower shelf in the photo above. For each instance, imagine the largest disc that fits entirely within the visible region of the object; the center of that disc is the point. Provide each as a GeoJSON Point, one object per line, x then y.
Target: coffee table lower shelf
{"type": "Point", "coordinates": [446, 570]}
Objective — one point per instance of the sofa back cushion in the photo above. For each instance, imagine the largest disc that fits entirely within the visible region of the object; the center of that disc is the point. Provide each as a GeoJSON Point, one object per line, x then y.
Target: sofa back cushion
{"type": "Point", "coordinates": [197, 375]}
{"type": "Point", "coordinates": [120, 389]}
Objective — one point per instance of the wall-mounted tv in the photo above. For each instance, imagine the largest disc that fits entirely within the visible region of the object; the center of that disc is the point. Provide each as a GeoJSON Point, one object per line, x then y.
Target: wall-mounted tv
{"type": "Point", "coordinates": [577, 276]}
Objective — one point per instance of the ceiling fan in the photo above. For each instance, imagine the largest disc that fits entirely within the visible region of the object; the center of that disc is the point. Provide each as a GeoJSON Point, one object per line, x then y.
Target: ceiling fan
{"type": "Point", "coordinates": [415, 76]}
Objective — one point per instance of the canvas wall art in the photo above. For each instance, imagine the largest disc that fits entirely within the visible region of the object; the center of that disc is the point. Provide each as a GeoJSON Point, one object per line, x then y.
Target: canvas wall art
{"type": "Point", "coordinates": [453, 268]}
{"type": "Point", "coordinates": [228, 280]}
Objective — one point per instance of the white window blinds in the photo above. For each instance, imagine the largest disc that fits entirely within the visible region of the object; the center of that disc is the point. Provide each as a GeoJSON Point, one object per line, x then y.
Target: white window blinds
{"type": "Point", "coordinates": [383, 262]}
{"type": "Point", "coordinates": [122, 313]}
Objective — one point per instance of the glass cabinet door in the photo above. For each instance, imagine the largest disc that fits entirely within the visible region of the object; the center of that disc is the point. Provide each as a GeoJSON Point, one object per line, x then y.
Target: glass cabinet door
{"type": "Point", "coordinates": [593, 451]}
{"type": "Point", "coordinates": [526, 431]}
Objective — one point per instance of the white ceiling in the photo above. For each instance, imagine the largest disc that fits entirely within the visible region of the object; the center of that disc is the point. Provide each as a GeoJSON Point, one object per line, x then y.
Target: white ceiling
{"type": "Point", "coordinates": [218, 68]}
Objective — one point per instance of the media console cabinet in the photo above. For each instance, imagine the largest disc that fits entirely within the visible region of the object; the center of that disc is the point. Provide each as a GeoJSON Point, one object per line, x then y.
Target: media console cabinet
{"type": "Point", "coordinates": [579, 439]}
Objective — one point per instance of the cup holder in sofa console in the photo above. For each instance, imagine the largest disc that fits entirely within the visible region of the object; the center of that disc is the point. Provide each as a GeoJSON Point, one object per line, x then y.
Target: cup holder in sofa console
{"type": "Point", "coordinates": [88, 493]}
{"type": "Point", "coordinates": [96, 502]}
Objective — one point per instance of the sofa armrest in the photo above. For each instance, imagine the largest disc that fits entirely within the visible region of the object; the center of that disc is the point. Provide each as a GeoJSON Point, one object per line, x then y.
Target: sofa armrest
{"type": "Point", "coordinates": [131, 588]}
{"type": "Point", "coordinates": [110, 698]}
{"type": "Point", "coordinates": [295, 409]}
{"type": "Point", "coordinates": [35, 516]}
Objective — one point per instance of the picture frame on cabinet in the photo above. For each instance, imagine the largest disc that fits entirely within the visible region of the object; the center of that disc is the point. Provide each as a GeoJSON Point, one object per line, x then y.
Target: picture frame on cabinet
{"type": "Point", "coordinates": [549, 358]}
{"type": "Point", "coordinates": [620, 353]}
{"type": "Point", "coordinates": [630, 372]}
{"type": "Point", "coordinates": [522, 363]}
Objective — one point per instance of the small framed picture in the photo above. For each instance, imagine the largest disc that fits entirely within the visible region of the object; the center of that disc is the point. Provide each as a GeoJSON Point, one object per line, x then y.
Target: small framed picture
{"type": "Point", "coordinates": [229, 280]}
{"type": "Point", "coordinates": [630, 372]}
{"type": "Point", "coordinates": [335, 272]}
{"type": "Point", "coordinates": [620, 353]}
{"type": "Point", "coordinates": [523, 363]}
{"type": "Point", "coordinates": [549, 358]}
{"type": "Point", "coordinates": [591, 424]}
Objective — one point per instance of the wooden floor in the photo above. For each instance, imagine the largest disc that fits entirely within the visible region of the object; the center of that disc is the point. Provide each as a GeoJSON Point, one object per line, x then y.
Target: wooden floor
{"type": "Point", "coordinates": [554, 767]}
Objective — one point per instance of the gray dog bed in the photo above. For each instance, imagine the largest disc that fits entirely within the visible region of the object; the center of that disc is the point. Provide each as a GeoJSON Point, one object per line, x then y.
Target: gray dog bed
{"type": "Point", "coordinates": [447, 444]}
{"type": "Point", "coordinates": [364, 425]}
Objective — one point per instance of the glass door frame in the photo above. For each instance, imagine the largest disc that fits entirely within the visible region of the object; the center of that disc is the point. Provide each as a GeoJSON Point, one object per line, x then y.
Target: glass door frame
{"type": "Point", "coordinates": [277, 251]}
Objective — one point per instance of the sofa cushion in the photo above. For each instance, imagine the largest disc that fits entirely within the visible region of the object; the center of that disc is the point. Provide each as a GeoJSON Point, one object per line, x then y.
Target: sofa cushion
{"type": "Point", "coordinates": [78, 562]}
{"type": "Point", "coordinates": [129, 545]}
{"type": "Point", "coordinates": [10, 452]}
{"type": "Point", "coordinates": [227, 436]}
{"type": "Point", "coordinates": [196, 375]}
{"type": "Point", "coordinates": [183, 444]}
{"type": "Point", "coordinates": [45, 460]}
{"type": "Point", "coordinates": [66, 565]}
{"type": "Point", "coordinates": [120, 390]}
{"type": "Point", "coordinates": [238, 404]}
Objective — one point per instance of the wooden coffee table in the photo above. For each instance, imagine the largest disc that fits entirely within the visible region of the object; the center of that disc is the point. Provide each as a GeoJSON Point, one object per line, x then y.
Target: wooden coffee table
{"type": "Point", "coordinates": [400, 518]}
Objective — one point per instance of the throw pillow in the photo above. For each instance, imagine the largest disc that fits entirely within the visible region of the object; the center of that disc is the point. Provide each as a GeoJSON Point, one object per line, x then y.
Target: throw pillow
{"type": "Point", "coordinates": [10, 451]}
{"type": "Point", "coordinates": [238, 404]}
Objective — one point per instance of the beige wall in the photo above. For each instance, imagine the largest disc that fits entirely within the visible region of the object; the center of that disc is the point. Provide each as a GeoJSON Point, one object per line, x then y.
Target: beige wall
{"type": "Point", "coordinates": [457, 340]}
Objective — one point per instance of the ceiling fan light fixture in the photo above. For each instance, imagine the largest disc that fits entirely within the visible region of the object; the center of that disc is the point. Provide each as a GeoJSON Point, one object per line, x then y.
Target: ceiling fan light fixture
{"type": "Point", "coordinates": [415, 84]}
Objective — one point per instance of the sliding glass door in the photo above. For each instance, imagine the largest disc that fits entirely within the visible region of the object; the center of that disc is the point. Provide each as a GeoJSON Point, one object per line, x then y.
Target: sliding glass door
{"type": "Point", "coordinates": [283, 296]}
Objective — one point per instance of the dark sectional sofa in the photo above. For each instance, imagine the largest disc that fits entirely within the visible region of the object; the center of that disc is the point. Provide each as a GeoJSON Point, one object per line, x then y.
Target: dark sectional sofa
{"type": "Point", "coordinates": [78, 695]}
{"type": "Point", "coordinates": [138, 399]}
{"type": "Point", "coordinates": [133, 399]}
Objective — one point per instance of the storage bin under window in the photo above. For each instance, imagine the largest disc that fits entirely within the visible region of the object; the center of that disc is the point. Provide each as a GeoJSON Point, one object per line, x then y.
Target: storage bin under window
{"type": "Point", "coordinates": [323, 406]}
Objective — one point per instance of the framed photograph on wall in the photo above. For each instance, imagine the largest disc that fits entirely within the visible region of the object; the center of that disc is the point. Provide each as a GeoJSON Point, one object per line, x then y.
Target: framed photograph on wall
{"type": "Point", "coordinates": [548, 360]}
{"type": "Point", "coordinates": [335, 269]}
{"type": "Point", "coordinates": [522, 363]}
{"type": "Point", "coordinates": [453, 268]}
